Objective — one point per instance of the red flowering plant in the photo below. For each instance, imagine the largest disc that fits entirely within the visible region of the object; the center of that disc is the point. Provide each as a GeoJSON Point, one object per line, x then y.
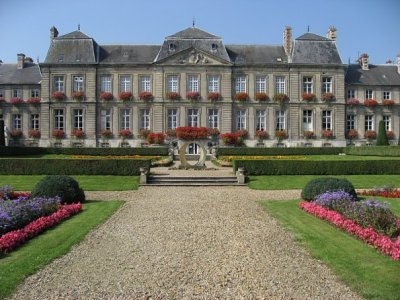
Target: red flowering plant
{"type": "Point", "coordinates": [106, 96]}
{"type": "Point", "coordinates": [144, 132]}
{"type": "Point", "coordinates": [352, 102]}
{"type": "Point", "coordinates": [243, 133]}
{"type": "Point", "coordinates": [385, 191]}
{"type": "Point", "coordinates": [213, 96]}
{"type": "Point", "coordinates": [170, 133]}
{"type": "Point", "coordinates": [327, 134]}
{"type": "Point", "coordinates": [280, 135]}
{"type": "Point", "coordinates": [388, 102]}
{"type": "Point", "coordinates": [78, 133]}
{"type": "Point", "coordinates": [173, 96]}
{"type": "Point", "coordinates": [156, 138]}
{"type": "Point", "coordinates": [194, 96]}
{"type": "Point", "coordinates": [241, 96]}
{"type": "Point", "coordinates": [370, 134]}
{"type": "Point", "coordinates": [191, 133]}
{"type": "Point", "coordinates": [308, 97]}
{"type": "Point", "coordinates": [262, 135]}
{"type": "Point", "coordinates": [16, 133]}
{"type": "Point", "coordinates": [16, 101]}
{"type": "Point", "coordinates": [308, 134]}
{"type": "Point", "coordinates": [56, 95]}
{"type": "Point", "coordinates": [58, 133]}
{"type": "Point", "coordinates": [145, 96]}
{"type": "Point", "coordinates": [281, 98]}
{"type": "Point", "coordinates": [78, 95]}
{"type": "Point", "coordinates": [125, 133]}
{"type": "Point", "coordinates": [232, 139]}
{"type": "Point", "coordinates": [106, 133]}
{"type": "Point", "coordinates": [213, 132]}
{"type": "Point", "coordinates": [125, 96]}
{"type": "Point", "coordinates": [390, 135]}
{"type": "Point", "coordinates": [352, 134]}
{"type": "Point", "coordinates": [34, 133]}
{"type": "Point", "coordinates": [327, 97]}
{"type": "Point", "coordinates": [33, 101]}
{"type": "Point", "coordinates": [370, 103]}
{"type": "Point", "coordinates": [261, 96]}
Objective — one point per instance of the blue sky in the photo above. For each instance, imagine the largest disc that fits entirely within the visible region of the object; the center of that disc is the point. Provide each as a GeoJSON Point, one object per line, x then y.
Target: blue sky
{"type": "Point", "coordinates": [368, 26]}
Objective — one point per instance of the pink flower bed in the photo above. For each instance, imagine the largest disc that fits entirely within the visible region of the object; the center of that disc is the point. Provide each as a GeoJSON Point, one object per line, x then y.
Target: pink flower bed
{"type": "Point", "coordinates": [368, 235]}
{"type": "Point", "coordinates": [13, 239]}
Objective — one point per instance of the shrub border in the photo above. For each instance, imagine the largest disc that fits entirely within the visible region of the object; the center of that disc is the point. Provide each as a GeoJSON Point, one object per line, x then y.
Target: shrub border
{"type": "Point", "coordinates": [243, 151]}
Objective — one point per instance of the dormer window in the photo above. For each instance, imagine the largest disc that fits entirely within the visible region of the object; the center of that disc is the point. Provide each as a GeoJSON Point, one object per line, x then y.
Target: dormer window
{"type": "Point", "coordinates": [172, 47]}
{"type": "Point", "coordinates": [125, 54]}
{"type": "Point", "coordinates": [214, 47]}
{"type": "Point", "coordinates": [60, 57]}
{"type": "Point", "coordinates": [77, 57]}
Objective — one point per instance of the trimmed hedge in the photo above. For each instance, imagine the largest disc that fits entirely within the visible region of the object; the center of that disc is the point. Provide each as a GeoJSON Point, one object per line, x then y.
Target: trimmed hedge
{"type": "Point", "coordinates": [318, 186]}
{"type": "Point", "coordinates": [373, 151]}
{"type": "Point", "coordinates": [22, 151]}
{"type": "Point", "coordinates": [305, 167]}
{"type": "Point", "coordinates": [279, 151]}
{"type": "Point", "coordinates": [33, 166]}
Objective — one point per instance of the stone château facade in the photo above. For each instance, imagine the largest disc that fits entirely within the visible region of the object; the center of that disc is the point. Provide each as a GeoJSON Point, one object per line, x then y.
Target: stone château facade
{"type": "Point", "coordinates": [94, 91]}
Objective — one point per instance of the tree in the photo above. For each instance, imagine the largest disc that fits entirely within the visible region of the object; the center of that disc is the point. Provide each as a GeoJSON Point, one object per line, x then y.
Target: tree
{"type": "Point", "coordinates": [382, 139]}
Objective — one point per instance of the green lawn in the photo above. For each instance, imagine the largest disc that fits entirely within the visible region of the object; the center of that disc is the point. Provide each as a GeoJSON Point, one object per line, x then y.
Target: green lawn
{"type": "Point", "coordinates": [287, 182]}
{"type": "Point", "coordinates": [87, 182]}
{"type": "Point", "coordinates": [366, 271]}
{"type": "Point", "coordinates": [38, 252]}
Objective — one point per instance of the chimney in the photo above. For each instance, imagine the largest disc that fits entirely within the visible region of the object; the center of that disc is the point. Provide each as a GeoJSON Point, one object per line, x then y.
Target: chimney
{"type": "Point", "coordinates": [53, 33]}
{"type": "Point", "coordinates": [363, 60]}
{"type": "Point", "coordinates": [398, 63]}
{"type": "Point", "coordinates": [20, 61]}
{"type": "Point", "coordinates": [287, 40]}
{"type": "Point", "coordinates": [331, 34]}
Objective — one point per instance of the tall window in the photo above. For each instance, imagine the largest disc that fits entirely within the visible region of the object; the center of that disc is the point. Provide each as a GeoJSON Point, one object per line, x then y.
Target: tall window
{"type": "Point", "coordinates": [369, 122]}
{"type": "Point", "coordinates": [172, 118]}
{"type": "Point", "coordinates": [280, 120]}
{"type": "Point", "coordinates": [193, 83]}
{"type": "Point", "coordinates": [59, 83]}
{"type": "Point", "coordinates": [386, 95]}
{"type": "Point", "coordinates": [369, 94]}
{"type": "Point", "coordinates": [307, 120]}
{"type": "Point", "coordinates": [213, 84]}
{"type": "Point", "coordinates": [213, 118]}
{"type": "Point", "coordinates": [327, 85]}
{"type": "Point", "coordinates": [145, 118]}
{"type": "Point", "coordinates": [307, 85]}
{"type": "Point", "coordinates": [59, 119]}
{"type": "Point", "coordinates": [387, 120]}
{"type": "Point", "coordinates": [240, 84]}
{"type": "Point", "coordinates": [105, 119]}
{"type": "Point", "coordinates": [17, 121]}
{"type": "Point", "coordinates": [240, 119]}
{"type": "Point", "coordinates": [34, 121]}
{"type": "Point", "coordinates": [125, 119]}
{"type": "Point", "coordinates": [78, 84]}
{"type": "Point", "coordinates": [35, 93]}
{"type": "Point", "coordinates": [78, 119]}
{"type": "Point", "coordinates": [193, 117]}
{"type": "Point", "coordinates": [350, 122]}
{"type": "Point", "coordinates": [280, 85]}
{"type": "Point", "coordinates": [261, 84]}
{"type": "Point", "coordinates": [172, 83]}
{"type": "Point", "coordinates": [261, 120]}
{"type": "Point", "coordinates": [105, 83]}
{"type": "Point", "coordinates": [125, 83]}
{"type": "Point", "coordinates": [145, 83]}
{"type": "Point", "coordinates": [326, 120]}
{"type": "Point", "coordinates": [351, 93]}
{"type": "Point", "coordinates": [17, 92]}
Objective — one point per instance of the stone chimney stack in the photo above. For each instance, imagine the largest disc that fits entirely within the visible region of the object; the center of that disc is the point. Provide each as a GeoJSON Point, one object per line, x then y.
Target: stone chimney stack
{"type": "Point", "coordinates": [53, 33]}
{"type": "Point", "coordinates": [398, 63]}
{"type": "Point", "coordinates": [331, 34]}
{"type": "Point", "coordinates": [364, 61]}
{"type": "Point", "coordinates": [20, 61]}
{"type": "Point", "coordinates": [287, 40]}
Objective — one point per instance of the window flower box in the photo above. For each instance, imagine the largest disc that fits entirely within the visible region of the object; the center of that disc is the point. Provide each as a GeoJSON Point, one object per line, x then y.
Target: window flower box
{"type": "Point", "coordinates": [280, 135]}
{"type": "Point", "coordinates": [34, 133]}
{"type": "Point", "coordinates": [144, 133]}
{"type": "Point", "coordinates": [58, 96]}
{"type": "Point", "coordinates": [213, 132]}
{"type": "Point", "coordinates": [191, 133]}
{"type": "Point", "coordinates": [261, 97]}
{"type": "Point", "coordinates": [262, 135]}
{"type": "Point", "coordinates": [125, 133]}
{"type": "Point", "coordinates": [16, 101]}
{"type": "Point", "coordinates": [145, 96]}
{"type": "Point", "coordinates": [78, 133]}
{"type": "Point", "coordinates": [388, 102]}
{"type": "Point", "coordinates": [232, 139]}
{"type": "Point", "coordinates": [352, 134]}
{"type": "Point", "coordinates": [308, 134]}
{"type": "Point", "coordinates": [370, 134]}
{"type": "Point", "coordinates": [243, 133]}
{"type": "Point", "coordinates": [327, 134]}
{"type": "Point", "coordinates": [16, 134]}
{"type": "Point", "coordinates": [106, 96]}
{"type": "Point", "coordinates": [106, 134]}
{"type": "Point", "coordinates": [281, 98]}
{"type": "Point", "coordinates": [390, 135]}
{"type": "Point", "coordinates": [213, 96]}
{"type": "Point", "coordinates": [352, 102]}
{"type": "Point", "coordinates": [327, 97]}
{"type": "Point", "coordinates": [125, 96]}
{"type": "Point", "coordinates": [170, 133]}
{"type": "Point", "coordinates": [172, 96]}
{"type": "Point", "coordinates": [370, 103]}
{"type": "Point", "coordinates": [157, 138]}
{"type": "Point", "coordinates": [308, 97]}
{"type": "Point", "coordinates": [58, 134]}
{"type": "Point", "coordinates": [78, 95]}
{"type": "Point", "coordinates": [193, 96]}
{"type": "Point", "coordinates": [242, 96]}
{"type": "Point", "coordinates": [33, 101]}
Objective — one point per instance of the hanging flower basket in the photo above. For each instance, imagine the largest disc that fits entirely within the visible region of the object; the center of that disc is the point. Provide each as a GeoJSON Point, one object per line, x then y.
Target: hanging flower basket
{"type": "Point", "coordinates": [106, 96]}
{"type": "Point", "coordinates": [33, 101]}
{"type": "Point", "coordinates": [213, 96]}
{"type": "Point", "coordinates": [352, 102]}
{"type": "Point", "coordinates": [16, 101]}
{"type": "Point", "coordinates": [16, 133]}
{"type": "Point", "coordinates": [172, 96]}
{"type": "Point", "coordinates": [78, 133]}
{"type": "Point", "coordinates": [370, 103]}
{"type": "Point", "coordinates": [242, 96]}
{"type": "Point", "coordinates": [34, 133]}
{"type": "Point", "coordinates": [308, 97]}
{"type": "Point", "coordinates": [327, 97]}
{"type": "Point", "coordinates": [281, 98]}
{"type": "Point", "coordinates": [125, 96]}
{"type": "Point", "coordinates": [145, 96]}
{"type": "Point", "coordinates": [193, 96]}
{"type": "Point", "coordinates": [58, 134]}
{"type": "Point", "coordinates": [58, 96]}
{"type": "Point", "coordinates": [78, 95]}
{"type": "Point", "coordinates": [388, 102]}
{"type": "Point", "coordinates": [261, 97]}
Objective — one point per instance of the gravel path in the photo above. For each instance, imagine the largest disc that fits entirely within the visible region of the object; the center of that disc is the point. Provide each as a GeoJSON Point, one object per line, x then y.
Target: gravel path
{"type": "Point", "coordinates": [187, 243]}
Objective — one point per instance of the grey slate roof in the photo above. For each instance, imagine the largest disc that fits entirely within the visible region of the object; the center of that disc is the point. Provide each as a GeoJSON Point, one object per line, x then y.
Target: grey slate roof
{"type": "Point", "coordinates": [192, 33]}
{"type": "Point", "coordinates": [30, 74]}
{"type": "Point", "coordinates": [137, 54]}
{"type": "Point", "coordinates": [376, 75]}
{"type": "Point", "coordinates": [314, 49]}
{"type": "Point", "coordinates": [256, 54]}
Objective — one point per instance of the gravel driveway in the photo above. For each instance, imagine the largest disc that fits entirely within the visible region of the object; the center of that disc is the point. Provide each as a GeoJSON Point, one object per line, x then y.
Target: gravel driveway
{"type": "Point", "coordinates": [187, 243]}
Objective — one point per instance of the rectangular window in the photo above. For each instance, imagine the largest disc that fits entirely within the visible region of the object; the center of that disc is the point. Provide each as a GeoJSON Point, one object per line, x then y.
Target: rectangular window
{"type": "Point", "coordinates": [17, 121]}
{"type": "Point", "coordinates": [172, 118]}
{"type": "Point", "coordinates": [280, 85]}
{"type": "Point", "coordinates": [35, 93]}
{"type": "Point", "coordinates": [369, 94]}
{"type": "Point", "coordinates": [125, 119]}
{"type": "Point", "coordinates": [213, 84]}
{"type": "Point", "coordinates": [307, 120]}
{"type": "Point", "coordinates": [78, 119]}
{"type": "Point", "coordinates": [280, 120]}
{"type": "Point", "coordinates": [58, 83]}
{"type": "Point", "coordinates": [307, 85]}
{"type": "Point", "coordinates": [350, 122]}
{"type": "Point", "coordinates": [261, 84]}
{"type": "Point", "coordinates": [193, 117]}
{"type": "Point", "coordinates": [369, 122]}
{"type": "Point", "coordinates": [386, 95]}
{"type": "Point", "coordinates": [351, 94]}
{"type": "Point", "coordinates": [387, 120]}
{"type": "Point", "coordinates": [17, 92]}
{"type": "Point", "coordinates": [240, 84]}
{"type": "Point", "coordinates": [105, 83]}
{"type": "Point", "coordinates": [240, 119]}
{"type": "Point", "coordinates": [78, 84]}
{"type": "Point", "coordinates": [59, 119]}
{"type": "Point", "coordinates": [145, 83]}
{"type": "Point", "coordinates": [125, 83]}
{"type": "Point", "coordinates": [105, 119]}
{"type": "Point", "coordinates": [145, 119]}
{"type": "Point", "coordinates": [34, 121]}
{"type": "Point", "coordinates": [193, 83]}
{"type": "Point", "coordinates": [172, 83]}
{"type": "Point", "coordinates": [326, 120]}
{"type": "Point", "coordinates": [261, 120]}
{"type": "Point", "coordinates": [213, 118]}
{"type": "Point", "coordinates": [327, 85]}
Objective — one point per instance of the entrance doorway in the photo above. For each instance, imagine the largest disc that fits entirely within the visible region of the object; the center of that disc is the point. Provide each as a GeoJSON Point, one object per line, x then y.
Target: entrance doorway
{"type": "Point", "coordinates": [193, 148]}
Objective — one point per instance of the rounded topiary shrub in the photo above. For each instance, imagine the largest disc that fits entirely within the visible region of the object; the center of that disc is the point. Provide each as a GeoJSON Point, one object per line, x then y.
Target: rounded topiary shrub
{"type": "Point", "coordinates": [318, 186]}
{"type": "Point", "coordinates": [63, 186]}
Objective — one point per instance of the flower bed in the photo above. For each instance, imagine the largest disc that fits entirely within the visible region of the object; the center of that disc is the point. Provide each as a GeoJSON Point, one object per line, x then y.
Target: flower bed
{"type": "Point", "coordinates": [191, 133]}
{"type": "Point", "coordinates": [7, 193]}
{"type": "Point", "coordinates": [387, 192]}
{"type": "Point", "coordinates": [13, 239]}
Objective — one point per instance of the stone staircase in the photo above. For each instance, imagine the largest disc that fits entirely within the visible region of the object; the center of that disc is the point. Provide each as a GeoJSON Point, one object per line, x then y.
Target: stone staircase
{"type": "Point", "coordinates": [161, 180]}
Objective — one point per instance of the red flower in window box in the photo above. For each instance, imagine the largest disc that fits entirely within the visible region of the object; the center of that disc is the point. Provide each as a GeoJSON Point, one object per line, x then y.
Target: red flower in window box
{"type": "Point", "coordinates": [125, 96]}
{"type": "Point", "coordinates": [370, 103]}
{"type": "Point", "coordinates": [194, 96]}
{"type": "Point", "coordinates": [231, 139]}
{"type": "Point", "coordinates": [213, 96]}
{"type": "Point", "coordinates": [34, 133]}
{"type": "Point", "coordinates": [145, 96]}
{"type": "Point", "coordinates": [106, 96]}
{"type": "Point", "coordinates": [16, 101]}
{"type": "Point", "coordinates": [58, 134]}
{"type": "Point", "coordinates": [78, 95]}
{"type": "Point", "coordinates": [352, 102]}
{"type": "Point", "coordinates": [261, 96]}
{"type": "Point", "coordinates": [280, 134]}
{"type": "Point", "coordinates": [172, 96]}
{"type": "Point", "coordinates": [327, 134]}
{"type": "Point", "coordinates": [191, 133]}
{"type": "Point", "coordinates": [370, 134]}
{"type": "Point", "coordinates": [352, 134]}
{"type": "Point", "coordinates": [327, 97]}
{"type": "Point", "coordinates": [243, 133]}
{"type": "Point", "coordinates": [144, 133]}
{"type": "Point", "coordinates": [156, 138]}
{"type": "Point", "coordinates": [106, 133]}
{"type": "Point", "coordinates": [58, 95]}
{"type": "Point", "coordinates": [242, 96]}
{"type": "Point", "coordinates": [308, 96]}
{"type": "Point", "coordinates": [213, 132]}
{"type": "Point", "coordinates": [280, 97]}
{"type": "Point", "coordinates": [308, 134]}
{"type": "Point", "coordinates": [170, 132]}
{"type": "Point", "coordinates": [388, 102]}
{"type": "Point", "coordinates": [16, 133]}
{"type": "Point", "coordinates": [125, 133]}
{"type": "Point", "coordinates": [33, 101]}
{"type": "Point", "coordinates": [78, 133]}
{"type": "Point", "coordinates": [262, 135]}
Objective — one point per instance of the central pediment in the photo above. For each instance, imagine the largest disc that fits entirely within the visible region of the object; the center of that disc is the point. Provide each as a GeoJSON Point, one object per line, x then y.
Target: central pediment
{"type": "Point", "coordinates": [193, 56]}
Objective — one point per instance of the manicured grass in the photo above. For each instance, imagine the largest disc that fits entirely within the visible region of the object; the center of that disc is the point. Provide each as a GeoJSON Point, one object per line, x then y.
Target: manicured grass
{"type": "Point", "coordinates": [287, 182]}
{"type": "Point", "coordinates": [88, 183]}
{"type": "Point", "coordinates": [38, 252]}
{"type": "Point", "coordinates": [366, 271]}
